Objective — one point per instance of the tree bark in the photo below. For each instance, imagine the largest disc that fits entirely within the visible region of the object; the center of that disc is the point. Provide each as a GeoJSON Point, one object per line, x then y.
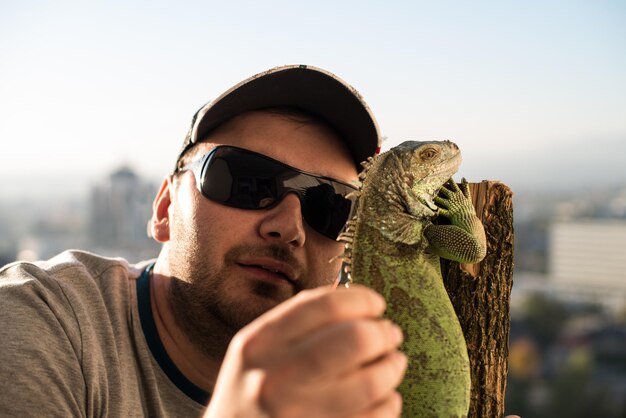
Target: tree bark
{"type": "Point", "coordinates": [481, 293]}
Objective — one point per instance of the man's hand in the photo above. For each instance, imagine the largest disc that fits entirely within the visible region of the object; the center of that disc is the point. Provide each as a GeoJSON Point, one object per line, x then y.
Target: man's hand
{"type": "Point", "coordinates": [323, 353]}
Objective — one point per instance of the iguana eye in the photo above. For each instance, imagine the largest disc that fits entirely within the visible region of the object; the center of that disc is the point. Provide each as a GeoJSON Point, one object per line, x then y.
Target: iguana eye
{"type": "Point", "coordinates": [429, 153]}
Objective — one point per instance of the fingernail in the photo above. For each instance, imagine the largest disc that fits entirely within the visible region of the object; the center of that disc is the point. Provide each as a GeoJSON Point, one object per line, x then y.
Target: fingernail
{"type": "Point", "coordinates": [397, 402]}
{"type": "Point", "coordinates": [402, 360]}
{"type": "Point", "coordinates": [397, 335]}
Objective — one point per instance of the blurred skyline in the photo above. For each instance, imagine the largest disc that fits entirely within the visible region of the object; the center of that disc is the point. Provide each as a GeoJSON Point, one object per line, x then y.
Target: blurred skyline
{"type": "Point", "coordinates": [533, 93]}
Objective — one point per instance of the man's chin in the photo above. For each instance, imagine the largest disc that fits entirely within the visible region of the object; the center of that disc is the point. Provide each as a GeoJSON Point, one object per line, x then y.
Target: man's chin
{"type": "Point", "coordinates": [254, 304]}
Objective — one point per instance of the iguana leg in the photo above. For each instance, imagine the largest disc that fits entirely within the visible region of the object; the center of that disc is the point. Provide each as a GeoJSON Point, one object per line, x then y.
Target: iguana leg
{"type": "Point", "coordinates": [464, 240]}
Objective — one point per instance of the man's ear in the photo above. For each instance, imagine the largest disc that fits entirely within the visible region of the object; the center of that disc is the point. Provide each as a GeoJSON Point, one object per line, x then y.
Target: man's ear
{"type": "Point", "coordinates": [159, 226]}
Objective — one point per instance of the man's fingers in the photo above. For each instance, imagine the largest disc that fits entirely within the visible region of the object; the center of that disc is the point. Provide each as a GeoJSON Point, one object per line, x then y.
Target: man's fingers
{"type": "Point", "coordinates": [370, 385]}
{"type": "Point", "coordinates": [390, 407]}
{"type": "Point", "coordinates": [340, 348]}
{"type": "Point", "coordinates": [305, 313]}
{"type": "Point", "coordinates": [363, 391]}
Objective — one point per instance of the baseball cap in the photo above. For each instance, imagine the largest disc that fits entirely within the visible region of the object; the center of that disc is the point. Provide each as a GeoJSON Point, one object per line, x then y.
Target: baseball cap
{"type": "Point", "coordinates": [304, 87]}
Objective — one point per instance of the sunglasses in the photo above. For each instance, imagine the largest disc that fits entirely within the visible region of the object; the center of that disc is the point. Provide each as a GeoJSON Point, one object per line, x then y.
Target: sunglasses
{"type": "Point", "coordinates": [244, 179]}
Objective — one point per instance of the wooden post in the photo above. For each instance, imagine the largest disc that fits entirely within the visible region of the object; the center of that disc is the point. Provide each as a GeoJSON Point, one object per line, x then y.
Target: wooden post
{"type": "Point", "coordinates": [481, 293]}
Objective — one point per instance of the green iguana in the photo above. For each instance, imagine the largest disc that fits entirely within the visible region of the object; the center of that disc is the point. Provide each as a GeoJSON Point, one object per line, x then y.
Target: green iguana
{"type": "Point", "coordinates": [393, 246]}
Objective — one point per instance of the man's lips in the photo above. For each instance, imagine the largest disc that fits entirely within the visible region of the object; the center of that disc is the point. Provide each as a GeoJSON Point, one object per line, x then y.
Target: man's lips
{"type": "Point", "coordinates": [269, 269]}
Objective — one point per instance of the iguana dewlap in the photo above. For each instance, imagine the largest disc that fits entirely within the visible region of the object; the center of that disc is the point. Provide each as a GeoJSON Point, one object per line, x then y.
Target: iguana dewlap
{"type": "Point", "coordinates": [393, 246]}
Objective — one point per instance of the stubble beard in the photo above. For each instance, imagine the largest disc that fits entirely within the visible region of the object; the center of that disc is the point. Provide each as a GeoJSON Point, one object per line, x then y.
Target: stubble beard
{"type": "Point", "coordinates": [204, 306]}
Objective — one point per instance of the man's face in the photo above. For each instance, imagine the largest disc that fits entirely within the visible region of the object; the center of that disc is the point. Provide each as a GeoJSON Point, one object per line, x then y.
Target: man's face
{"type": "Point", "coordinates": [234, 264]}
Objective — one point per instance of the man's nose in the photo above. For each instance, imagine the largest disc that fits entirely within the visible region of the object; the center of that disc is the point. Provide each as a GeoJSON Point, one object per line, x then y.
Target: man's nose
{"type": "Point", "coordinates": [284, 222]}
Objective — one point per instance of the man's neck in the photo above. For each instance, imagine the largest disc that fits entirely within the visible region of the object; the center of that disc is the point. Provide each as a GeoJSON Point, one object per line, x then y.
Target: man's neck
{"type": "Point", "coordinates": [192, 362]}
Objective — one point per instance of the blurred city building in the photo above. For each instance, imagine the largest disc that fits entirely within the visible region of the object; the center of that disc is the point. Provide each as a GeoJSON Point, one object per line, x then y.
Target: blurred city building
{"type": "Point", "coordinates": [41, 230]}
{"type": "Point", "coordinates": [585, 265]}
{"type": "Point", "coordinates": [119, 212]}
{"type": "Point", "coordinates": [110, 220]}
{"type": "Point", "coordinates": [586, 262]}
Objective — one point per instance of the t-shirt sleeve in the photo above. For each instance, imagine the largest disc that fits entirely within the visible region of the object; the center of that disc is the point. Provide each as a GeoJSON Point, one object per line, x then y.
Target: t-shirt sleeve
{"type": "Point", "coordinates": [40, 347]}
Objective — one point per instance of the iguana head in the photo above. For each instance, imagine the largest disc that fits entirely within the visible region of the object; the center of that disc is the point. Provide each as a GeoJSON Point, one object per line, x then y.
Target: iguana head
{"type": "Point", "coordinates": [424, 167]}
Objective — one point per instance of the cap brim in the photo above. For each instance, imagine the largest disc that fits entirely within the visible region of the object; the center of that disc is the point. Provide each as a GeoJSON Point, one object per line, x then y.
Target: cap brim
{"type": "Point", "coordinates": [311, 89]}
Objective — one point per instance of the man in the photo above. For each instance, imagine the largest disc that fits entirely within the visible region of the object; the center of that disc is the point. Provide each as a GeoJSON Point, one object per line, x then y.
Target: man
{"type": "Point", "coordinates": [239, 310]}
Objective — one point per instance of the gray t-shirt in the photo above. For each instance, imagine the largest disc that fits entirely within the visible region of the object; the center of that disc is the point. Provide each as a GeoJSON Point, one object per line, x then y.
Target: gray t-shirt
{"type": "Point", "coordinates": [77, 339]}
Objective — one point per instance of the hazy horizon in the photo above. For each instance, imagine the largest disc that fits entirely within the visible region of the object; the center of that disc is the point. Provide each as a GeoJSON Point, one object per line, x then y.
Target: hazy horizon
{"type": "Point", "coordinates": [582, 165]}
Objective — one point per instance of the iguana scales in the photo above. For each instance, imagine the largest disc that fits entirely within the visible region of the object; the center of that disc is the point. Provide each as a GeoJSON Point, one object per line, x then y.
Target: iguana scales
{"type": "Point", "coordinates": [394, 246]}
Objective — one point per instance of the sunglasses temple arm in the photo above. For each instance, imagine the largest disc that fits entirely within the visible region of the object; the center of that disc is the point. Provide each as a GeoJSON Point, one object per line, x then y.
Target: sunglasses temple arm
{"type": "Point", "coordinates": [196, 168]}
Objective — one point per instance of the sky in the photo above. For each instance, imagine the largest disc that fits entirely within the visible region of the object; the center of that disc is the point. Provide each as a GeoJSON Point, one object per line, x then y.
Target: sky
{"type": "Point", "coordinates": [534, 92]}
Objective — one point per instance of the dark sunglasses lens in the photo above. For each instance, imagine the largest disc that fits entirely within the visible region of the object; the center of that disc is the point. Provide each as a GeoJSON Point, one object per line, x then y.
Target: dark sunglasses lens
{"type": "Point", "coordinates": [241, 179]}
{"type": "Point", "coordinates": [325, 210]}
